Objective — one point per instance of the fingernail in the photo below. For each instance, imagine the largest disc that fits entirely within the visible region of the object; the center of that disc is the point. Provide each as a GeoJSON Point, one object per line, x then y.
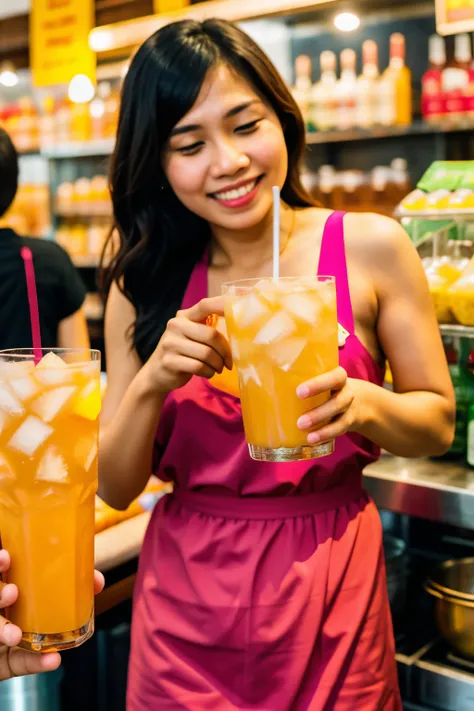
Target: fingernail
{"type": "Point", "coordinates": [313, 438]}
{"type": "Point", "coordinates": [9, 634]}
{"type": "Point", "coordinates": [302, 391]}
{"type": "Point", "coordinates": [304, 422]}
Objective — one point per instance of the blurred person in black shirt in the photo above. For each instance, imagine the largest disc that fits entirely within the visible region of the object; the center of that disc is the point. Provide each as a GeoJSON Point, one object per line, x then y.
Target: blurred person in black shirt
{"type": "Point", "coordinates": [61, 292]}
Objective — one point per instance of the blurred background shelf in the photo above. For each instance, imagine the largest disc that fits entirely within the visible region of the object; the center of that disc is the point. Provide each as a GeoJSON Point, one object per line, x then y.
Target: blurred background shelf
{"type": "Point", "coordinates": [457, 331]}
{"type": "Point", "coordinates": [80, 149]}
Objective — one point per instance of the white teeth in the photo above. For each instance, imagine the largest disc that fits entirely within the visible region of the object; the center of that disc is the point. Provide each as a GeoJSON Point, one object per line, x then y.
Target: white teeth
{"type": "Point", "coordinates": [235, 194]}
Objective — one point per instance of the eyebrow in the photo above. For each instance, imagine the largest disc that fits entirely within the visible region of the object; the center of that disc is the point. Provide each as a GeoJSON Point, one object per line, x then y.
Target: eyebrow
{"type": "Point", "coordinates": [187, 128]}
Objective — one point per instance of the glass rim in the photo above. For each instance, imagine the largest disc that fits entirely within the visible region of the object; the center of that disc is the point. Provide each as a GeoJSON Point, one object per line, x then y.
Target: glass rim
{"type": "Point", "coordinates": [31, 353]}
{"type": "Point", "coordinates": [254, 280]}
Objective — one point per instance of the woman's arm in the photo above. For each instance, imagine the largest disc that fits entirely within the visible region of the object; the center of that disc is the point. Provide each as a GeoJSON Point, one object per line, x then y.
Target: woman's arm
{"type": "Point", "coordinates": [136, 395]}
{"type": "Point", "coordinates": [130, 413]}
{"type": "Point", "coordinates": [417, 419]}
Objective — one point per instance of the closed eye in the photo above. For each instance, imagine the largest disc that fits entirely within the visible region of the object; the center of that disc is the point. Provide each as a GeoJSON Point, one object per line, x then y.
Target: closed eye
{"type": "Point", "coordinates": [248, 127]}
{"type": "Point", "coordinates": [191, 149]}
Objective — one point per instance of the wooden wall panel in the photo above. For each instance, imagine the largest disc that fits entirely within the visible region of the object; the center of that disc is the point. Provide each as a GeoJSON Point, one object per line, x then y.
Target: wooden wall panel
{"type": "Point", "coordinates": [14, 30]}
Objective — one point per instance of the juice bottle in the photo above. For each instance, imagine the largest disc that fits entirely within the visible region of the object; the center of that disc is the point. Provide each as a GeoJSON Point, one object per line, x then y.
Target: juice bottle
{"type": "Point", "coordinates": [302, 88]}
{"type": "Point", "coordinates": [399, 74]}
{"type": "Point", "coordinates": [455, 80]}
{"type": "Point", "coordinates": [324, 94]}
{"type": "Point", "coordinates": [346, 91]}
{"type": "Point", "coordinates": [432, 98]}
{"type": "Point", "coordinates": [367, 86]}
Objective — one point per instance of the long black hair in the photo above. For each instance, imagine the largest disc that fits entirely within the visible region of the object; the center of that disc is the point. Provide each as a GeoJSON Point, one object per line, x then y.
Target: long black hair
{"type": "Point", "coordinates": [160, 239]}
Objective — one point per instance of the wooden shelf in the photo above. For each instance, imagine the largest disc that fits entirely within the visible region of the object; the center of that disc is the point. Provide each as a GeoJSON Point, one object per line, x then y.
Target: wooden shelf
{"type": "Point", "coordinates": [122, 35]}
{"type": "Point", "coordinates": [80, 150]}
{"type": "Point", "coordinates": [417, 128]}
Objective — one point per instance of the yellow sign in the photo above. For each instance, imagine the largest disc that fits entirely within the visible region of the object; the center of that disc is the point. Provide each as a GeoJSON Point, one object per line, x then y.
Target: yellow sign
{"type": "Point", "coordinates": [453, 16]}
{"type": "Point", "coordinates": [166, 6]}
{"type": "Point", "coordinates": [59, 31]}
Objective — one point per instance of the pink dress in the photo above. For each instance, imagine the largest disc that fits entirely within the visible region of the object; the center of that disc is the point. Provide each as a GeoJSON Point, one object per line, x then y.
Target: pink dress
{"type": "Point", "coordinates": [261, 586]}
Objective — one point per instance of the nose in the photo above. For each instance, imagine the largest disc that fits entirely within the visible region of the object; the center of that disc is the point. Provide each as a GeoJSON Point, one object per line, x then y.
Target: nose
{"type": "Point", "coordinates": [228, 159]}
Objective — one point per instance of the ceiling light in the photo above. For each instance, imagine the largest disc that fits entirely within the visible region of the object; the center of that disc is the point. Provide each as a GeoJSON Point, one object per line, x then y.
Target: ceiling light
{"type": "Point", "coordinates": [81, 89]}
{"type": "Point", "coordinates": [347, 21]}
{"type": "Point", "coordinates": [8, 75]}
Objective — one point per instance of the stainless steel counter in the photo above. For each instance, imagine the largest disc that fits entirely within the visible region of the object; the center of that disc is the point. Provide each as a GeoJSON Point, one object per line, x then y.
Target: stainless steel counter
{"type": "Point", "coordinates": [434, 490]}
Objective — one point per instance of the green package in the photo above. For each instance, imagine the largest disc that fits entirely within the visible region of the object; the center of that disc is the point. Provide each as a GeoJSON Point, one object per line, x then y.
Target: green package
{"type": "Point", "coordinates": [444, 174]}
{"type": "Point", "coordinates": [467, 180]}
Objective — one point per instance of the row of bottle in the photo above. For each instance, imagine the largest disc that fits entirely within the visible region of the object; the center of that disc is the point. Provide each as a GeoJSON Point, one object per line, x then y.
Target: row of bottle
{"type": "Point", "coordinates": [81, 239]}
{"type": "Point", "coordinates": [29, 215]}
{"type": "Point", "coordinates": [84, 197]}
{"type": "Point", "coordinates": [355, 101]}
{"type": "Point", "coordinates": [460, 359]}
{"type": "Point", "coordinates": [58, 121]}
{"type": "Point", "coordinates": [448, 86]}
{"type": "Point", "coordinates": [380, 189]}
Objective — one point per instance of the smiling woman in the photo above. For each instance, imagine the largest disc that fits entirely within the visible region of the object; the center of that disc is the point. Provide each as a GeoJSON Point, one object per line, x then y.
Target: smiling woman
{"type": "Point", "coordinates": [168, 147]}
{"type": "Point", "coordinates": [261, 585]}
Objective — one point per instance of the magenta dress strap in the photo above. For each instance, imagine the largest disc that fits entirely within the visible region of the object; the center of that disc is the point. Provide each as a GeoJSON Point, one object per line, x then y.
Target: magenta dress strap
{"type": "Point", "coordinates": [332, 262]}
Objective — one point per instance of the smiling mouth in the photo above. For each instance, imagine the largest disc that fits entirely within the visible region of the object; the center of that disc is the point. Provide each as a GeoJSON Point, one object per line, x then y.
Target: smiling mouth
{"type": "Point", "coordinates": [236, 193]}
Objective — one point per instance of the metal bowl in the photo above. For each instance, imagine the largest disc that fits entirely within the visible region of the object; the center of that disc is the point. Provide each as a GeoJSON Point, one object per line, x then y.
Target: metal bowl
{"type": "Point", "coordinates": [454, 578]}
{"type": "Point", "coordinates": [452, 585]}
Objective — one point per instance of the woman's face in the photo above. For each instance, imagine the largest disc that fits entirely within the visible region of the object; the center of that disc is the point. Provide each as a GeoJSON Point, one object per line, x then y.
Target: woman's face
{"type": "Point", "coordinates": [226, 153]}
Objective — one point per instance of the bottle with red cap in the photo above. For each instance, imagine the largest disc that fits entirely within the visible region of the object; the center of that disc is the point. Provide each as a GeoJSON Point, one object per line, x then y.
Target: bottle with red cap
{"type": "Point", "coordinates": [432, 99]}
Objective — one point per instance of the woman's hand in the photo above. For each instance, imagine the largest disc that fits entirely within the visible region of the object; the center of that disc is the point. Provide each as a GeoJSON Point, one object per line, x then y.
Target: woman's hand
{"type": "Point", "coordinates": [342, 413]}
{"type": "Point", "coordinates": [189, 347]}
{"type": "Point", "coordinates": [13, 660]}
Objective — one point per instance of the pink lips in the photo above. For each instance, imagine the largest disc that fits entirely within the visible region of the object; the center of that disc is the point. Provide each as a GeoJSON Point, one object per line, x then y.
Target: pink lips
{"type": "Point", "coordinates": [241, 201]}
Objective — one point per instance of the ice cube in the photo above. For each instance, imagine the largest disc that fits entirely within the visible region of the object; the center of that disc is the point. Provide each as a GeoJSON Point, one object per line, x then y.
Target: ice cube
{"type": "Point", "coordinates": [50, 404]}
{"type": "Point", "coordinates": [85, 451]}
{"type": "Point", "coordinates": [24, 388]}
{"type": "Point", "coordinates": [234, 347]}
{"type": "Point", "coordinates": [307, 308]}
{"type": "Point", "coordinates": [53, 377]}
{"type": "Point", "coordinates": [6, 470]}
{"type": "Point", "coordinates": [278, 327]}
{"type": "Point", "coordinates": [52, 467]}
{"type": "Point", "coordinates": [30, 435]}
{"type": "Point", "coordinates": [250, 373]}
{"type": "Point", "coordinates": [268, 289]}
{"type": "Point", "coordinates": [248, 309]}
{"type": "Point", "coordinates": [287, 353]}
{"type": "Point", "coordinates": [8, 402]}
{"type": "Point", "coordinates": [51, 362]}
{"type": "Point", "coordinates": [88, 402]}
{"type": "Point", "coordinates": [10, 369]}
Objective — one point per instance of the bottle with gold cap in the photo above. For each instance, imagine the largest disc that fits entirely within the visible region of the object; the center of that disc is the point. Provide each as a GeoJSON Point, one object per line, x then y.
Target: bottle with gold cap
{"type": "Point", "coordinates": [398, 72]}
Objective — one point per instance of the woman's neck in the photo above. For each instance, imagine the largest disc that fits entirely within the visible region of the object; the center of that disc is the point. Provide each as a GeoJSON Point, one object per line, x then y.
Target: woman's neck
{"type": "Point", "coordinates": [249, 248]}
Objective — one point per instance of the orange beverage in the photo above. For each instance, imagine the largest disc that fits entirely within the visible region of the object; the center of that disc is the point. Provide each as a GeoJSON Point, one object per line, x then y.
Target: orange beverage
{"type": "Point", "coordinates": [48, 481]}
{"type": "Point", "coordinates": [281, 333]}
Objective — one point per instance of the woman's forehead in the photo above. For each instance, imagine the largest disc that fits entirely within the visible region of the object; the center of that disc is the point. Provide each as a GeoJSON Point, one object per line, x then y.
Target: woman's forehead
{"type": "Point", "coordinates": [222, 89]}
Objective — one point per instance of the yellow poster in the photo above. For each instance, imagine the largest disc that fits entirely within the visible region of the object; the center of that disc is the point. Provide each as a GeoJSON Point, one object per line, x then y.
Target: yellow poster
{"type": "Point", "coordinates": [165, 6]}
{"type": "Point", "coordinates": [59, 31]}
{"type": "Point", "coordinates": [453, 16]}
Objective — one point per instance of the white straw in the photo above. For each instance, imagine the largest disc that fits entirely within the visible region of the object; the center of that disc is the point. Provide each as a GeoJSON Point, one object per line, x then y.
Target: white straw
{"type": "Point", "coordinates": [276, 233]}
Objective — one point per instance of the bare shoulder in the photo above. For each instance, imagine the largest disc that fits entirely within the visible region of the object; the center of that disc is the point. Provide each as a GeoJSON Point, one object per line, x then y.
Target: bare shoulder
{"type": "Point", "coordinates": [377, 235]}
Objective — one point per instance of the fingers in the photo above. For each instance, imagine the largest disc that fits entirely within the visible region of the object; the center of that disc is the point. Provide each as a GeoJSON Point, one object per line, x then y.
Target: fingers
{"type": "Point", "coordinates": [205, 308]}
{"type": "Point", "coordinates": [4, 561]}
{"type": "Point", "coordinates": [334, 407]}
{"type": "Point", "coordinates": [215, 343]}
{"type": "Point", "coordinates": [22, 663]}
{"type": "Point", "coordinates": [10, 635]}
{"type": "Point", "coordinates": [334, 380]}
{"type": "Point", "coordinates": [8, 595]}
{"type": "Point", "coordinates": [335, 429]}
{"type": "Point", "coordinates": [99, 582]}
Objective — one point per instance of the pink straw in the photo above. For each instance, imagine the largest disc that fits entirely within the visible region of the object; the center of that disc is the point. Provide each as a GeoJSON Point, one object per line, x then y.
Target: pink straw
{"type": "Point", "coordinates": [33, 302]}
